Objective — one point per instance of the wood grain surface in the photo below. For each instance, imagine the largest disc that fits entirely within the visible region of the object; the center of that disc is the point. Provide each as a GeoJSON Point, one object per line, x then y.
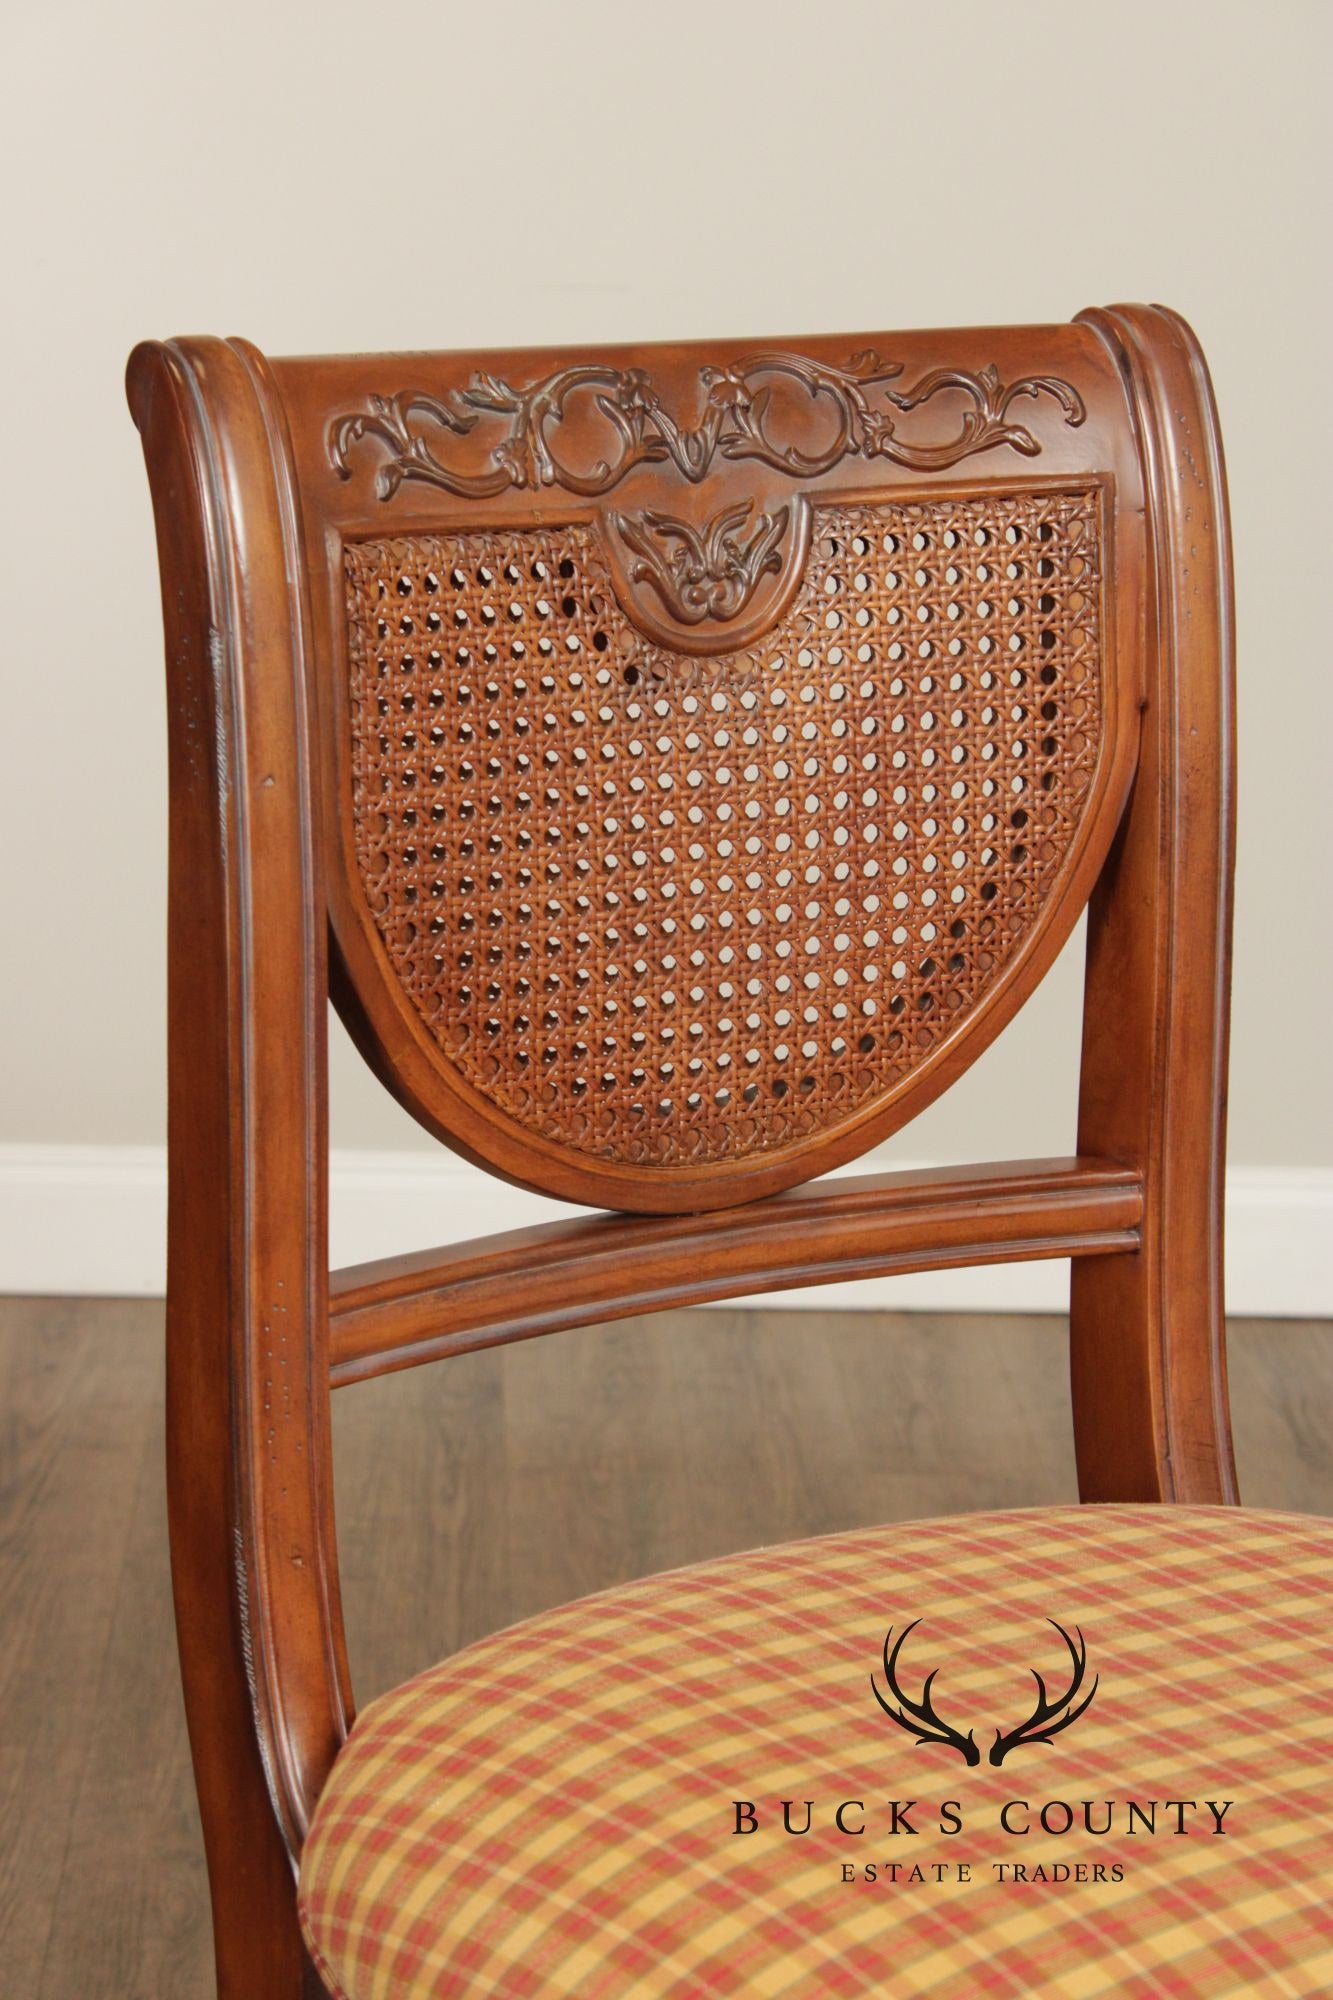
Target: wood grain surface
{"type": "Point", "coordinates": [468, 1496]}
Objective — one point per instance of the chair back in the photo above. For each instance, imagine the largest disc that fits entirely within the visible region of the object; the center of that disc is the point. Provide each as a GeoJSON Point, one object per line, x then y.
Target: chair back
{"type": "Point", "coordinates": [719, 741]}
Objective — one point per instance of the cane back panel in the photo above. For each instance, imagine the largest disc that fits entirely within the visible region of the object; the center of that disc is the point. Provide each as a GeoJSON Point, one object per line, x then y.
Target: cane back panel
{"type": "Point", "coordinates": [719, 744]}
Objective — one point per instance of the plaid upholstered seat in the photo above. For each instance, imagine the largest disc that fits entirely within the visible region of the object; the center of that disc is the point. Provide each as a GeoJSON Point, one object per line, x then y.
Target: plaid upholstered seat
{"type": "Point", "coordinates": [554, 1813]}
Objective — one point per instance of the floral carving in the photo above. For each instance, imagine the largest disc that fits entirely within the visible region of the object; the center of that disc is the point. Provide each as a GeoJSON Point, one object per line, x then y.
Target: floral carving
{"type": "Point", "coordinates": [707, 572]}
{"type": "Point", "coordinates": [739, 420]}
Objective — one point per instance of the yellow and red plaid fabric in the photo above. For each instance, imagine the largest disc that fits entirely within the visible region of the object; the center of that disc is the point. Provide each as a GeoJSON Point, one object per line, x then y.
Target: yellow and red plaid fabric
{"type": "Point", "coordinates": [550, 1815]}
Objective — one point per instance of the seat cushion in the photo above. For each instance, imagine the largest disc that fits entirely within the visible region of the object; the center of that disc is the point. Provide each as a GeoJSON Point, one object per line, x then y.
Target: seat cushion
{"type": "Point", "coordinates": [1107, 1733]}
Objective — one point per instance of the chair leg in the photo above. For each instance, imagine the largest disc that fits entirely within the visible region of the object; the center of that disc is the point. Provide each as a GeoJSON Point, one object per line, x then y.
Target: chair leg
{"type": "Point", "coordinates": [258, 1951]}
{"type": "Point", "coordinates": [1147, 1361]}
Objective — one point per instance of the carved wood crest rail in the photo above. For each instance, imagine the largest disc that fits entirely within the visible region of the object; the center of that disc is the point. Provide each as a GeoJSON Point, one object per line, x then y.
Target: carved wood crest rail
{"type": "Point", "coordinates": [735, 424]}
{"type": "Point", "coordinates": [709, 571]}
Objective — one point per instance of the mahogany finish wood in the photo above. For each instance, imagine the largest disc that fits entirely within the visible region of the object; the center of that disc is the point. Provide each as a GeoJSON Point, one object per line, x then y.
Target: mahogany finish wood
{"type": "Point", "coordinates": [1148, 1357]}
{"type": "Point", "coordinates": [249, 1487]}
{"type": "Point", "coordinates": [694, 756]}
{"type": "Point", "coordinates": [398, 1311]}
{"type": "Point", "coordinates": [502, 896]}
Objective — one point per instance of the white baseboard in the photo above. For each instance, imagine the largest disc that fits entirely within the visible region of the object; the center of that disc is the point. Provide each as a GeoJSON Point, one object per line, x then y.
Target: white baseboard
{"type": "Point", "coordinates": [92, 1220]}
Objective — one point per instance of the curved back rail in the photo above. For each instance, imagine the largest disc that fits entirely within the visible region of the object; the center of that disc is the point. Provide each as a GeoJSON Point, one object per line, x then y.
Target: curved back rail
{"type": "Point", "coordinates": [677, 764]}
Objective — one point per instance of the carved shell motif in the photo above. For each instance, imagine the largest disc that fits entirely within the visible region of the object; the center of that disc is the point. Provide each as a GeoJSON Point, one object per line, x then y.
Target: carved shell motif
{"type": "Point", "coordinates": [708, 573]}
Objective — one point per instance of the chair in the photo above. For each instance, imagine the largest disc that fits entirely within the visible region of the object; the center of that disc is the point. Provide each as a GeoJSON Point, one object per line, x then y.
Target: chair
{"type": "Point", "coordinates": [678, 763]}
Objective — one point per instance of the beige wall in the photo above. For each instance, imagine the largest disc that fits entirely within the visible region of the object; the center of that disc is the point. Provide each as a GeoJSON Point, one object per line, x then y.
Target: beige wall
{"type": "Point", "coordinates": [429, 175]}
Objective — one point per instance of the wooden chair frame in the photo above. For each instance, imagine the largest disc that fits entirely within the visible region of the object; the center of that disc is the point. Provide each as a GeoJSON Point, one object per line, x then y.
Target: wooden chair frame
{"type": "Point", "coordinates": [258, 1333]}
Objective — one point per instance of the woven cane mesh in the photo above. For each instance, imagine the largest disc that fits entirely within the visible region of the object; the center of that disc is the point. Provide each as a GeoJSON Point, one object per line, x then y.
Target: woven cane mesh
{"type": "Point", "coordinates": [667, 909]}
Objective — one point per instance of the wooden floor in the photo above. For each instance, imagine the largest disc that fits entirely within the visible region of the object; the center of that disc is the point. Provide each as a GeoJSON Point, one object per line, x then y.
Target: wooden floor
{"type": "Point", "coordinates": [472, 1494]}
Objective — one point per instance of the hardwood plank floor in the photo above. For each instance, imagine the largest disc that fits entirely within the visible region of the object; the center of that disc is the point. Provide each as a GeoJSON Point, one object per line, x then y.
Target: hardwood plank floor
{"type": "Point", "coordinates": [470, 1495]}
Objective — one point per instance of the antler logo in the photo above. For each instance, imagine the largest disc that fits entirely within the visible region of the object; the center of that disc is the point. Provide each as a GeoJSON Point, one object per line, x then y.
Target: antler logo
{"type": "Point", "coordinates": [920, 1719]}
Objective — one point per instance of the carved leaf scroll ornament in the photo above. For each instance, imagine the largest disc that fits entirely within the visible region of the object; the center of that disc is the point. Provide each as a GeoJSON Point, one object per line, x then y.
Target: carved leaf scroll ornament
{"type": "Point", "coordinates": [740, 420]}
{"type": "Point", "coordinates": [707, 572]}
